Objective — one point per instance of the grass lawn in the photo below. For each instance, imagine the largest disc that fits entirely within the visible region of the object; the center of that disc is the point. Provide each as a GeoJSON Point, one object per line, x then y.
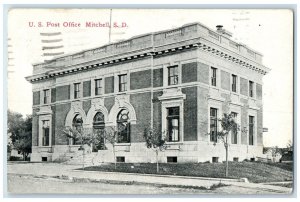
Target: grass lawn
{"type": "Point", "coordinates": [254, 171]}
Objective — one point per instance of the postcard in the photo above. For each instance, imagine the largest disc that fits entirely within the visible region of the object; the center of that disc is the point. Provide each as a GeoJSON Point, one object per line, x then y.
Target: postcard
{"type": "Point", "coordinates": [150, 101]}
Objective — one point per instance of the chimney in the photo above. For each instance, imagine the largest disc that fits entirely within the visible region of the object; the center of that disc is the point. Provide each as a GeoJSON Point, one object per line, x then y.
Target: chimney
{"type": "Point", "coordinates": [222, 31]}
{"type": "Point", "coordinates": [219, 28]}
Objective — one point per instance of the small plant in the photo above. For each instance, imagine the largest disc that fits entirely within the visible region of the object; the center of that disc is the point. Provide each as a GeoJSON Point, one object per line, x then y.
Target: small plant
{"type": "Point", "coordinates": [228, 124]}
{"type": "Point", "coordinates": [155, 140]}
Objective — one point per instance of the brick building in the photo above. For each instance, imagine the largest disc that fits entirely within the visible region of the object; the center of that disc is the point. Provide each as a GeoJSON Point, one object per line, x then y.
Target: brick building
{"type": "Point", "coordinates": [178, 80]}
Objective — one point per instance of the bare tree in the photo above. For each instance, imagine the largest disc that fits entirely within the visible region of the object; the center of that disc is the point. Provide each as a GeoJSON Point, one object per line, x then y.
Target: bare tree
{"type": "Point", "coordinates": [110, 134]}
{"type": "Point", "coordinates": [228, 124]}
{"type": "Point", "coordinates": [289, 145]}
{"type": "Point", "coordinates": [82, 136]}
{"type": "Point", "coordinates": [155, 140]}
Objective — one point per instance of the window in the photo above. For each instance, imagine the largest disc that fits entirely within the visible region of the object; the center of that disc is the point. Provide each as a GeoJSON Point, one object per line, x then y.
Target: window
{"type": "Point", "coordinates": [234, 134]}
{"type": "Point", "coordinates": [123, 126]}
{"type": "Point", "coordinates": [98, 86]}
{"type": "Point", "coordinates": [120, 159]}
{"type": "Point", "coordinates": [213, 76]}
{"type": "Point", "coordinates": [98, 129]}
{"type": "Point", "coordinates": [234, 83]}
{"type": "Point", "coordinates": [173, 124]}
{"type": "Point", "coordinates": [77, 125]}
{"type": "Point", "coordinates": [46, 133]}
{"type": "Point", "coordinates": [173, 75]}
{"type": "Point", "coordinates": [122, 83]}
{"type": "Point", "coordinates": [251, 130]}
{"type": "Point", "coordinates": [215, 159]}
{"type": "Point", "coordinates": [213, 124]}
{"type": "Point", "coordinates": [251, 92]}
{"type": "Point", "coordinates": [46, 96]}
{"type": "Point", "coordinates": [171, 159]}
{"type": "Point", "coordinates": [76, 90]}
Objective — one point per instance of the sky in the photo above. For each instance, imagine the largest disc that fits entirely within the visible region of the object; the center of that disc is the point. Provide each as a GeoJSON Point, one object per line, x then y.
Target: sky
{"type": "Point", "coordinates": [267, 31]}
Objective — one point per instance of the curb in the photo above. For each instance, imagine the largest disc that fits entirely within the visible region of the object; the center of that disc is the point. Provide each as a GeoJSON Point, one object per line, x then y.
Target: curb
{"type": "Point", "coordinates": [169, 176]}
{"type": "Point", "coordinates": [123, 182]}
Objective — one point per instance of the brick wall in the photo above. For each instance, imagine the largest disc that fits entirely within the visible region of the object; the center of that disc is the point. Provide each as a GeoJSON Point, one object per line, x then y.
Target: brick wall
{"type": "Point", "coordinates": [53, 124]}
{"type": "Point", "coordinates": [189, 72]}
{"type": "Point", "coordinates": [53, 95]}
{"type": "Point", "coordinates": [244, 86]}
{"type": "Point", "coordinates": [158, 77]}
{"type": "Point", "coordinates": [35, 129]}
{"type": "Point", "coordinates": [86, 105]}
{"type": "Point", "coordinates": [109, 102]}
{"type": "Point", "coordinates": [36, 98]}
{"type": "Point", "coordinates": [63, 93]}
{"type": "Point", "coordinates": [190, 114]}
{"type": "Point", "coordinates": [86, 88]}
{"type": "Point", "coordinates": [225, 104]}
{"type": "Point", "coordinates": [203, 73]}
{"type": "Point", "coordinates": [109, 84]}
{"type": "Point", "coordinates": [61, 112]}
{"type": "Point", "coordinates": [225, 80]}
{"type": "Point", "coordinates": [244, 121]}
{"type": "Point", "coordinates": [157, 111]}
{"type": "Point", "coordinates": [260, 127]}
{"type": "Point", "coordinates": [142, 105]}
{"type": "Point", "coordinates": [258, 91]}
{"type": "Point", "coordinates": [141, 79]}
{"type": "Point", "coordinates": [203, 113]}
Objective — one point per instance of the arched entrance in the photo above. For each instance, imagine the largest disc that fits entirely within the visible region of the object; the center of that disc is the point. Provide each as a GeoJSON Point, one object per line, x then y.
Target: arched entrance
{"type": "Point", "coordinates": [77, 125]}
{"type": "Point", "coordinates": [123, 126]}
{"type": "Point", "coordinates": [98, 128]}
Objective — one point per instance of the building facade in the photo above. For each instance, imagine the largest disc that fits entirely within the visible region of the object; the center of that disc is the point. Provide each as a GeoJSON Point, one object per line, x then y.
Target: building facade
{"type": "Point", "coordinates": [180, 81]}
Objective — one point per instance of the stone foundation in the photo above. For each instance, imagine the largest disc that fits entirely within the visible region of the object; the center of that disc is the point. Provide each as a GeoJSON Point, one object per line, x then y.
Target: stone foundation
{"type": "Point", "coordinates": [193, 151]}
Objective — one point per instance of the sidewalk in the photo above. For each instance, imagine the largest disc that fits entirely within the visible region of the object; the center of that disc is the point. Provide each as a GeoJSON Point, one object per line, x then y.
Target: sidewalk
{"type": "Point", "coordinates": [69, 170]}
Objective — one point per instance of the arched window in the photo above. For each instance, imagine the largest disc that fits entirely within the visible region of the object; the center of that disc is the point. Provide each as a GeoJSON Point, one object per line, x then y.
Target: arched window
{"type": "Point", "coordinates": [98, 128]}
{"type": "Point", "coordinates": [98, 121]}
{"type": "Point", "coordinates": [123, 126]}
{"type": "Point", "coordinates": [77, 125]}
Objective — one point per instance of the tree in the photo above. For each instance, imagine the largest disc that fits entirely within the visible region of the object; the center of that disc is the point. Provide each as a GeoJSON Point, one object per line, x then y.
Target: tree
{"type": "Point", "coordinates": [87, 136]}
{"type": "Point", "coordinates": [15, 123]}
{"type": "Point", "coordinates": [228, 124]}
{"type": "Point", "coordinates": [110, 134]}
{"type": "Point", "coordinates": [155, 140]}
{"type": "Point", "coordinates": [289, 146]}
{"type": "Point", "coordinates": [82, 136]}
{"type": "Point", "coordinates": [21, 132]}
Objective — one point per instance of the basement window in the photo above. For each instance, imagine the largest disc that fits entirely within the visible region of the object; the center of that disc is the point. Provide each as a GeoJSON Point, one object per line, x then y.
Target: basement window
{"type": "Point", "coordinates": [252, 159]}
{"type": "Point", "coordinates": [121, 159]}
{"type": "Point", "coordinates": [215, 159]}
{"type": "Point", "coordinates": [171, 159]}
{"type": "Point", "coordinates": [235, 159]}
{"type": "Point", "coordinates": [44, 159]}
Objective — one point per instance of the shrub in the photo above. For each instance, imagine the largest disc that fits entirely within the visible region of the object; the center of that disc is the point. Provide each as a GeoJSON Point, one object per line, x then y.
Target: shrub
{"type": "Point", "coordinates": [15, 158]}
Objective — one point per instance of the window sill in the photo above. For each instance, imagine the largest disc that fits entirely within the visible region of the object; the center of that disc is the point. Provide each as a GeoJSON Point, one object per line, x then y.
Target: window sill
{"type": "Point", "coordinates": [252, 98]}
{"type": "Point", "coordinates": [174, 143]}
{"type": "Point", "coordinates": [214, 87]}
{"type": "Point", "coordinates": [123, 144]}
{"type": "Point", "coordinates": [234, 93]}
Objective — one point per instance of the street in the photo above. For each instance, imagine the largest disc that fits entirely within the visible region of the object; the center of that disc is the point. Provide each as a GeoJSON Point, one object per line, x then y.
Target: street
{"type": "Point", "coordinates": [50, 178]}
{"type": "Point", "coordinates": [29, 184]}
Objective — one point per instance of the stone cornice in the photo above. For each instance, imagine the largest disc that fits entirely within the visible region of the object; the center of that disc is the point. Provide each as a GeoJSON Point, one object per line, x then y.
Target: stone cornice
{"type": "Point", "coordinates": [239, 60]}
